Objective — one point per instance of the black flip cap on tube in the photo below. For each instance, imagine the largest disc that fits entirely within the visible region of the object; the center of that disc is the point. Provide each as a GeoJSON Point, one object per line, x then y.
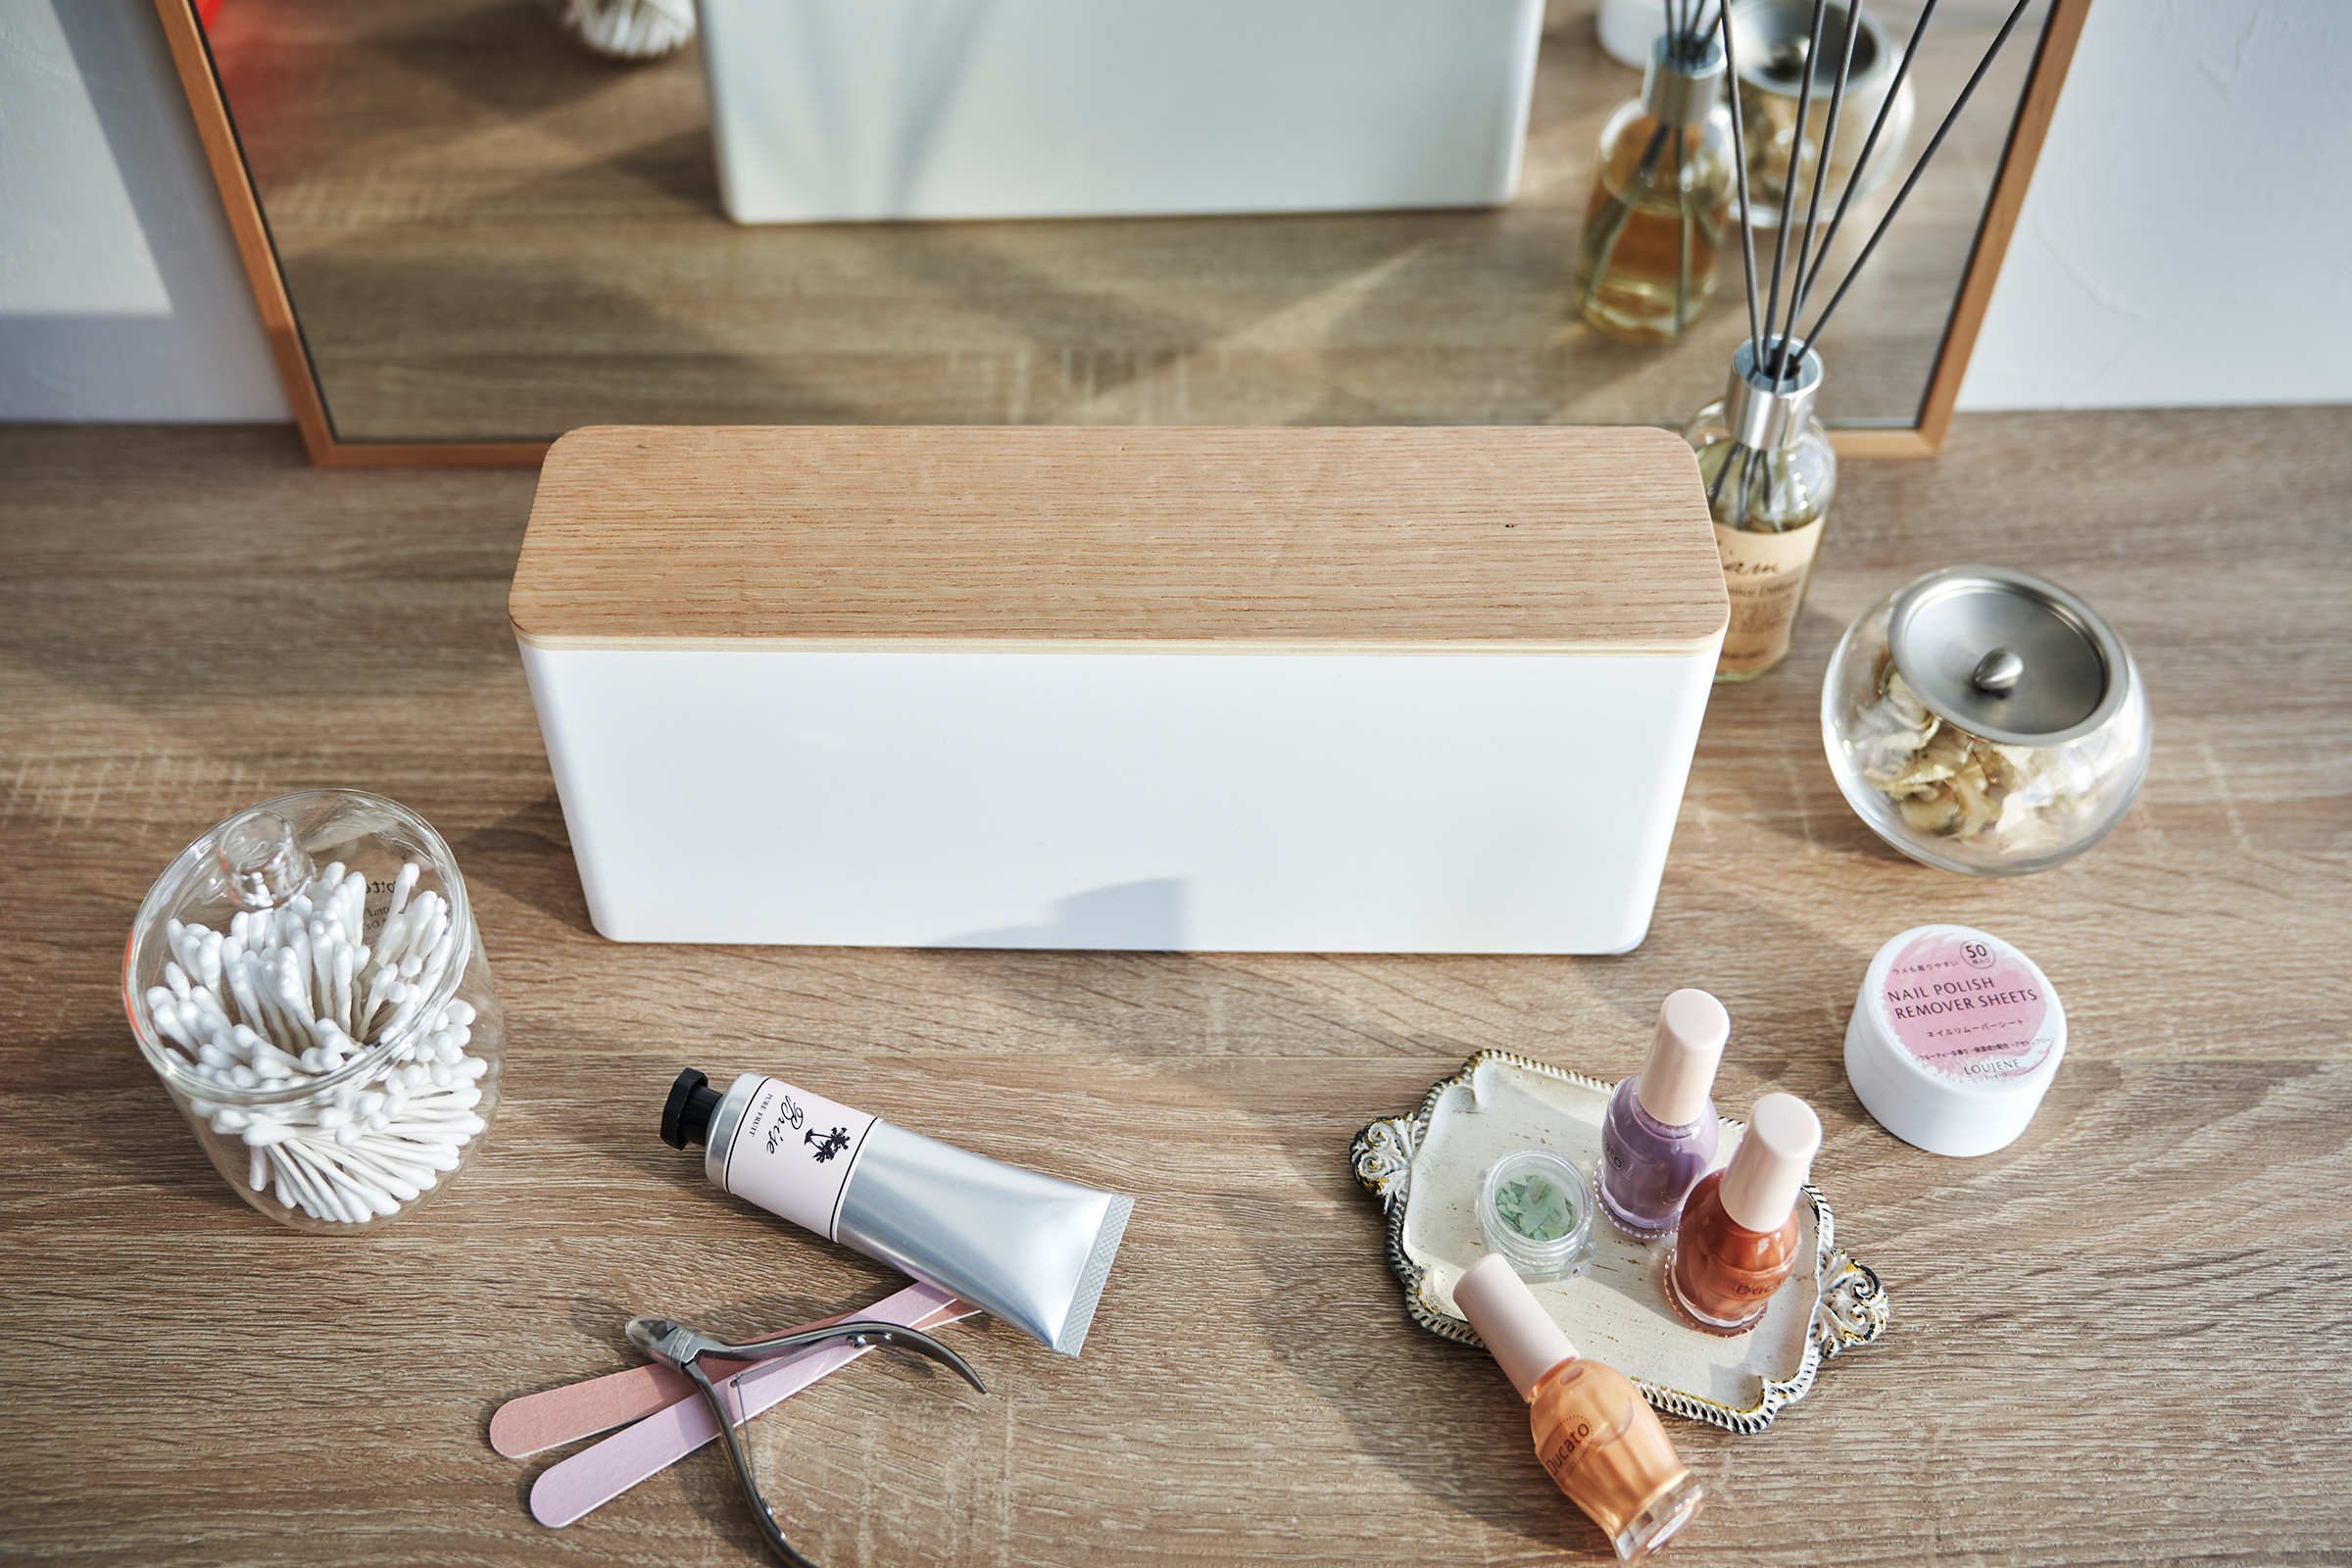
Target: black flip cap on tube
{"type": "Point", "coordinates": [686, 1119]}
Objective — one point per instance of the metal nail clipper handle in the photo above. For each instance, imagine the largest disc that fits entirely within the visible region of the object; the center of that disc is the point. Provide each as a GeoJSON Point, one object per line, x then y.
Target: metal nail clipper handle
{"type": "Point", "coordinates": [674, 1341]}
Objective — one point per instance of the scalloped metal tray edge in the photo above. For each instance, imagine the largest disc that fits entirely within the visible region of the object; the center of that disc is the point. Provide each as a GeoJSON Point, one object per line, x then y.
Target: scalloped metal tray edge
{"type": "Point", "coordinates": [1848, 1311]}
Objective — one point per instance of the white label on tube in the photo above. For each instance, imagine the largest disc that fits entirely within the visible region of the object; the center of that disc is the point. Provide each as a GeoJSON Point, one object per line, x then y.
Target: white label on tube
{"type": "Point", "coordinates": [793, 1153]}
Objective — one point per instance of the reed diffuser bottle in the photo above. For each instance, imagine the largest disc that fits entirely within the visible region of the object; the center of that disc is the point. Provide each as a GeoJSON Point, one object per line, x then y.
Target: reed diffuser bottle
{"type": "Point", "coordinates": [1661, 196]}
{"type": "Point", "coordinates": [1771, 475]}
{"type": "Point", "coordinates": [1769, 468]}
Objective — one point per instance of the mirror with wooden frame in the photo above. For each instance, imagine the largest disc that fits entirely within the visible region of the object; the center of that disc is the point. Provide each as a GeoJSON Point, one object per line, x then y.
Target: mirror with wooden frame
{"type": "Point", "coordinates": [469, 233]}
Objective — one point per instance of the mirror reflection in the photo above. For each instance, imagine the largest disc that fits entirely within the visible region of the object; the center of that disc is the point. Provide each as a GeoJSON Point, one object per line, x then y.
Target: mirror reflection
{"type": "Point", "coordinates": [491, 231]}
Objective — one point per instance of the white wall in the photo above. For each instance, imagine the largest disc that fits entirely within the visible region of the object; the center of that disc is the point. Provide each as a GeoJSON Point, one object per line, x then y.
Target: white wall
{"type": "Point", "coordinates": [2187, 240]}
{"type": "Point", "coordinates": [120, 295]}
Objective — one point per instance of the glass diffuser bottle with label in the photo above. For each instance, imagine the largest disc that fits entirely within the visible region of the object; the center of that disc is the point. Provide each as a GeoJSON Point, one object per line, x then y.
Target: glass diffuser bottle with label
{"type": "Point", "coordinates": [1770, 475]}
{"type": "Point", "coordinates": [1661, 198]}
{"type": "Point", "coordinates": [1769, 468]}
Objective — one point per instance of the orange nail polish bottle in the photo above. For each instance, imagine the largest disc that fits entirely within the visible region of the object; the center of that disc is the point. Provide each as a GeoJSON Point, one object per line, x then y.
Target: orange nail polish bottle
{"type": "Point", "coordinates": [1738, 1235]}
{"type": "Point", "coordinates": [1592, 1431]}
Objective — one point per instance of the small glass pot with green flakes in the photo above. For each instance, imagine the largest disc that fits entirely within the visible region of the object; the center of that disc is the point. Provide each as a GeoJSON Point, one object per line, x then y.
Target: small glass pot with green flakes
{"type": "Point", "coordinates": [1536, 1209]}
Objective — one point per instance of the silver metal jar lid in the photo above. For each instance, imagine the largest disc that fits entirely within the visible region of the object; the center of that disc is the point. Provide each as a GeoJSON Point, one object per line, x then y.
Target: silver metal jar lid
{"type": "Point", "coordinates": [1774, 38]}
{"type": "Point", "coordinates": [2007, 657]}
{"type": "Point", "coordinates": [1681, 92]}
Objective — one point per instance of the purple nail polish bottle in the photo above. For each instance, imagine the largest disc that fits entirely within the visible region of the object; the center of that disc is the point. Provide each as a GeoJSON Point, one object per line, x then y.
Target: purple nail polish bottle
{"type": "Point", "coordinates": [1658, 1138]}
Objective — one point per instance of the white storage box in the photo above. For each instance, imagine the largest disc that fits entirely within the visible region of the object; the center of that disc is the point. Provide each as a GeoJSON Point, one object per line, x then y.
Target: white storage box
{"type": "Point", "coordinates": [829, 110]}
{"type": "Point", "coordinates": [1339, 690]}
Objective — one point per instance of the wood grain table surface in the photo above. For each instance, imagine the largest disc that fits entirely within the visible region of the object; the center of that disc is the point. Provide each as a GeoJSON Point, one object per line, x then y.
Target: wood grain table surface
{"type": "Point", "coordinates": [2122, 1339]}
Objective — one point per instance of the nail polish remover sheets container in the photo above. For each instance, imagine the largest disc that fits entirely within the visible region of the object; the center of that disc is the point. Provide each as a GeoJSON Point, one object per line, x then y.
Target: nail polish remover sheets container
{"type": "Point", "coordinates": [1954, 1040]}
{"type": "Point", "coordinates": [1337, 690]}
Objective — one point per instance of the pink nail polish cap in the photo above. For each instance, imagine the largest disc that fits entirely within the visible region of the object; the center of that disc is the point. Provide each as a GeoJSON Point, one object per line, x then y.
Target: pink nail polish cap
{"type": "Point", "coordinates": [1680, 1074]}
{"type": "Point", "coordinates": [1513, 1323]}
{"type": "Point", "coordinates": [1772, 1162]}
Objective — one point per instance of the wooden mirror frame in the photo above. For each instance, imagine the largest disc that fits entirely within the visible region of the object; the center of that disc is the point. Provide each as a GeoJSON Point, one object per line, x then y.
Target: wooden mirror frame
{"type": "Point", "coordinates": [192, 56]}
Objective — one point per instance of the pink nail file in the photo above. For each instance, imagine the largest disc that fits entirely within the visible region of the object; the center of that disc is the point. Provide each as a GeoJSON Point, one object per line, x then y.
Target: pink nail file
{"type": "Point", "coordinates": [534, 1422]}
{"type": "Point", "coordinates": [595, 1476]}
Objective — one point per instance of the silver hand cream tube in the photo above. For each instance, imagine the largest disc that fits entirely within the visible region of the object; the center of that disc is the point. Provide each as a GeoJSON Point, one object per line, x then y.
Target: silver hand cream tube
{"type": "Point", "coordinates": [1028, 1248]}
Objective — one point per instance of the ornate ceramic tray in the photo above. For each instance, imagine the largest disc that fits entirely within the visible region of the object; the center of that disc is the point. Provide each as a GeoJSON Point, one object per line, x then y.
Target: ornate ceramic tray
{"type": "Point", "coordinates": [1424, 1168]}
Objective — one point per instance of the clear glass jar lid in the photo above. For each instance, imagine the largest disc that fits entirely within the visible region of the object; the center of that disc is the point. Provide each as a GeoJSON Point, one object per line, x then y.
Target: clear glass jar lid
{"type": "Point", "coordinates": [320, 870]}
{"type": "Point", "coordinates": [2007, 657]}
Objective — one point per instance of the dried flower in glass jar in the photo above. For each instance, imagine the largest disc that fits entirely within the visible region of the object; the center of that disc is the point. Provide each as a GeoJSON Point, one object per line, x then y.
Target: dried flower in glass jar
{"type": "Point", "coordinates": [1984, 721]}
{"type": "Point", "coordinates": [1955, 784]}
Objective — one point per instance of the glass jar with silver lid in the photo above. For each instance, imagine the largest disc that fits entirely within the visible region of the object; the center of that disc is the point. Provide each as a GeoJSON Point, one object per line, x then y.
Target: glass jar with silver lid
{"type": "Point", "coordinates": [1984, 721]}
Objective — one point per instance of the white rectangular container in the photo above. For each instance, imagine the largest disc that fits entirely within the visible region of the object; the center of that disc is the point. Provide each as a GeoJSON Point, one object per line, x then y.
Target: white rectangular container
{"type": "Point", "coordinates": [1338, 690]}
{"type": "Point", "coordinates": [831, 110]}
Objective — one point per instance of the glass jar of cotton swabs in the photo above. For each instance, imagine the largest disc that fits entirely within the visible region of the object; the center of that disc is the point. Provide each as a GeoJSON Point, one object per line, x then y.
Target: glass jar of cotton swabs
{"type": "Point", "coordinates": [308, 982]}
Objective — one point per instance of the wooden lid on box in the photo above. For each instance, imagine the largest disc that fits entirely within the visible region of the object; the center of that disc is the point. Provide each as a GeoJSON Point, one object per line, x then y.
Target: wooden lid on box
{"type": "Point", "coordinates": [1327, 540]}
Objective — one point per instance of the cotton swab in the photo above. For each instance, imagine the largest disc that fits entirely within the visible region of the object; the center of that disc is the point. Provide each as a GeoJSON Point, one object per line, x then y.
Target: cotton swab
{"type": "Point", "coordinates": [285, 997]}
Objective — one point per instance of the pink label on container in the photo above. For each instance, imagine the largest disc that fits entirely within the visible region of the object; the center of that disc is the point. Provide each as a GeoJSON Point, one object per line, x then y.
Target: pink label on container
{"type": "Point", "coordinates": [1968, 1009]}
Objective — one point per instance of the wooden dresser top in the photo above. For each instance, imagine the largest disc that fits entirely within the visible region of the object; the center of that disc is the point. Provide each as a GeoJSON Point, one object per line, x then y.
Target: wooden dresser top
{"type": "Point", "coordinates": [1511, 539]}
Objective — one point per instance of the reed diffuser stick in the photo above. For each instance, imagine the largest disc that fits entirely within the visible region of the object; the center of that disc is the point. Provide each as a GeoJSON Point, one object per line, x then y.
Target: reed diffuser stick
{"type": "Point", "coordinates": [1958, 104]}
{"type": "Point", "coordinates": [1778, 347]}
{"type": "Point", "coordinates": [1682, 270]}
{"type": "Point", "coordinates": [1747, 231]}
{"type": "Point", "coordinates": [1870, 143]}
{"type": "Point", "coordinates": [1821, 174]}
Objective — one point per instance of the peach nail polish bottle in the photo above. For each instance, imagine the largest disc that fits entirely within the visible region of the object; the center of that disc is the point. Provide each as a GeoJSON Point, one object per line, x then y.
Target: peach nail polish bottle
{"type": "Point", "coordinates": [1601, 1442]}
{"type": "Point", "coordinates": [1738, 1235]}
